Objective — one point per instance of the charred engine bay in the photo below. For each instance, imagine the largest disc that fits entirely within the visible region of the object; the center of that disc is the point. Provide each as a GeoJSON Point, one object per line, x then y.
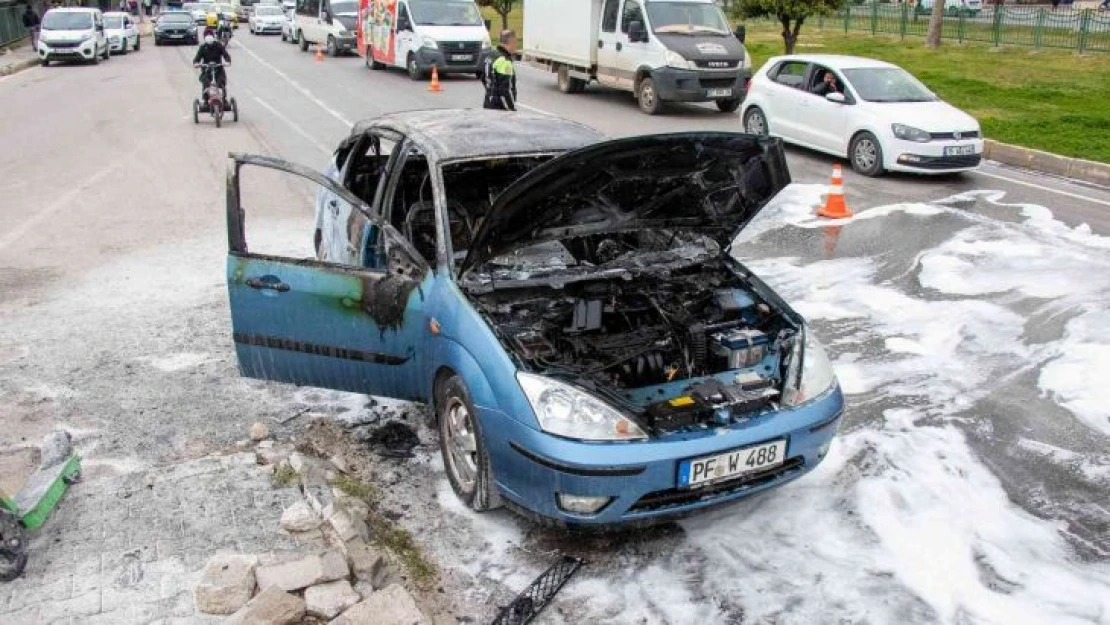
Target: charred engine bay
{"type": "Point", "coordinates": [638, 339]}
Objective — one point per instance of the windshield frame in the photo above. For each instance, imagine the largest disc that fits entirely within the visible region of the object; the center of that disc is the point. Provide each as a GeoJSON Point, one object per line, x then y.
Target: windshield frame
{"type": "Point", "coordinates": [701, 29]}
{"type": "Point", "coordinates": [851, 75]}
{"type": "Point", "coordinates": [66, 16]}
{"type": "Point", "coordinates": [416, 7]}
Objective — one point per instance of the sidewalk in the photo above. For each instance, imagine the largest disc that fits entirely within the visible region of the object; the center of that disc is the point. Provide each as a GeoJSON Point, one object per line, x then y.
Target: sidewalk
{"type": "Point", "coordinates": [129, 549]}
{"type": "Point", "coordinates": [18, 59]}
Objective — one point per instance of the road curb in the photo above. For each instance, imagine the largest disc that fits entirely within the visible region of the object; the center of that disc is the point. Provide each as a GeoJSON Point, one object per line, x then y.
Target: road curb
{"type": "Point", "coordinates": [1047, 162]}
{"type": "Point", "coordinates": [8, 69]}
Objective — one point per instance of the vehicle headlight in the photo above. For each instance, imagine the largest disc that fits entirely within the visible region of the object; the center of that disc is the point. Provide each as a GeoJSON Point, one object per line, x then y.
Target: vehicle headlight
{"type": "Point", "coordinates": [909, 133]}
{"type": "Point", "coordinates": [675, 59]}
{"type": "Point", "coordinates": [817, 375]}
{"type": "Point", "coordinates": [85, 37]}
{"type": "Point", "coordinates": [428, 42]}
{"type": "Point", "coordinates": [486, 45]}
{"type": "Point", "coordinates": [564, 410]}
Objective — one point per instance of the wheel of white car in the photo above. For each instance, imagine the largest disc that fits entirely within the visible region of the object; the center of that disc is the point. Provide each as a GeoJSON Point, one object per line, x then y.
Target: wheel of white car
{"type": "Point", "coordinates": [463, 448]}
{"type": "Point", "coordinates": [648, 97]}
{"type": "Point", "coordinates": [866, 154]}
{"type": "Point", "coordinates": [755, 122]}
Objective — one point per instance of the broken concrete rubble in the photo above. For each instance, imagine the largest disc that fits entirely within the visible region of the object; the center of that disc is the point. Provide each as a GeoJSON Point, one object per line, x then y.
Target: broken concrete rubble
{"type": "Point", "coordinates": [272, 606]}
{"type": "Point", "coordinates": [259, 431]}
{"type": "Point", "coordinates": [330, 599]}
{"type": "Point", "coordinates": [347, 525]}
{"type": "Point", "coordinates": [390, 606]}
{"type": "Point", "coordinates": [368, 564]}
{"type": "Point", "coordinates": [300, 517]}
{"type": "Point", "coordinates": [226, 584]}
{"type": "Point", "coordinates": [308, 571]}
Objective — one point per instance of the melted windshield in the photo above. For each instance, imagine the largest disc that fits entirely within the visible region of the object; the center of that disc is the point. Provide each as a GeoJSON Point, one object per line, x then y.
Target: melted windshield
{"type": "Point", "coordinates": [449, 13]}
{"type": "Point", "coordinates": [686, 18]}
{"type": "Point", "coordinates": [67, 21]}
{"type": "Point", "coordinates": [887, 84]}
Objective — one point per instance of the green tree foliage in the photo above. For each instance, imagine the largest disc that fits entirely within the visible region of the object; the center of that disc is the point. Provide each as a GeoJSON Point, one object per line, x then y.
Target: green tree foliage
{"type": "Point", "coordinates": [790, 13]}
{"type": "Point", "coordinates": [503, 8]}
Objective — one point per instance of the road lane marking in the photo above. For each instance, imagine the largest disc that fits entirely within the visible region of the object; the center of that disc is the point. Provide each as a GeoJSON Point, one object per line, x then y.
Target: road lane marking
{"type": "Point", "coordinates": [536, 110]}
{"type": "Point", "coordinates": [1044, 188]}
{"type": "Point", "coordinates": [297, 129]}
{"type": "Point", "coordinates": [296, 85]}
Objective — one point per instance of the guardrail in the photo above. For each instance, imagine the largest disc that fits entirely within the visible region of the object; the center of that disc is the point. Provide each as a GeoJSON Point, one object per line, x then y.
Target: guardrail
{"type": "Point", "coordinates": [1083, 30]}
{"type": "Point", "coordinates": [11, 24]}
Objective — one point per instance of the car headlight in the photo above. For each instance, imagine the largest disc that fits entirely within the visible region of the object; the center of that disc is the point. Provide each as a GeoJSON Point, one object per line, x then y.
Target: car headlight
{"type": "Point", "coordinates": [817, 375]}
{"type": "Point", "coordinates": [85, 37]}
{"type": "Point", "coordinates": [564, 410]}
{"type": "Point", "coordinates": [909, 133]}
{"type": "Point", "coordinates": [428, 42]}
{"type": "Point", "coordinates": [486, 45]}
{"type": "Point", "coordinates": [674, 59]}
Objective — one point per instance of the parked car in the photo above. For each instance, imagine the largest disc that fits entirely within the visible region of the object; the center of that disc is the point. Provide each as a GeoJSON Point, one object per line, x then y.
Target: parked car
{"type": "Point", "coordinates": [73, 34]}
{"type": "Point", "coordinates": [175, 27]}
{"type": "Point", "coordinates": [568, 306]}
{"type": "Point", "coordinates": [288, 27]}
{"type": "Point", "coordinates": [266, 18]}
{"type": "Point", "coordinates": [971, 8]}
{"type": "Point", "coordinates": [122, 32]}
{"type": "Point", "coordinates": [882, 119]}
{"type": "Point", "coordinates": [330, 23]}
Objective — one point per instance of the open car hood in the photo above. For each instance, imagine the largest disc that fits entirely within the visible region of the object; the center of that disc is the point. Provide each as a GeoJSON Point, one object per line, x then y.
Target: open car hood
{"type": "Point", "coordinates": [711, 182]}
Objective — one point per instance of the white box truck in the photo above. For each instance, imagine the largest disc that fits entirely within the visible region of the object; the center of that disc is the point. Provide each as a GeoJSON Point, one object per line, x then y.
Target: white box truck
{"type": "Point", "coordinates": [660, 50]}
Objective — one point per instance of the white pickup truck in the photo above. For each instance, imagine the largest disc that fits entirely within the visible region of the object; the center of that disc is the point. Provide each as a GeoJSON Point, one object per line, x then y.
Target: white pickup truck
{"type": "Point", "coordinates": [660, 50]}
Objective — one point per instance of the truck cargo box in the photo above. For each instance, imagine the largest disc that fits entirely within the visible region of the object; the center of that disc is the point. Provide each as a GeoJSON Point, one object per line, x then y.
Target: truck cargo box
{"type": "Point", "coordinates": [563, 31]}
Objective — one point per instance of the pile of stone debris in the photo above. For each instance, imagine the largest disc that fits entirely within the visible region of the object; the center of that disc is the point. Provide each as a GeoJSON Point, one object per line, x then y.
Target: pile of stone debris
{"type": "Point", "coordinates": [351, 582]}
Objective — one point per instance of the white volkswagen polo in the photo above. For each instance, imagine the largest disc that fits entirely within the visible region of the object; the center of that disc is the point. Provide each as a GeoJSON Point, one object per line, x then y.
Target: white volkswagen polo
{"type": "Point", "coordinates": [873, 113]}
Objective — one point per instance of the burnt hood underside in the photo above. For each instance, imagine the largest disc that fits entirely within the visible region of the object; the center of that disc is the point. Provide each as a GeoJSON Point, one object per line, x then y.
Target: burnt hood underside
{"type": "Point", "coordinates": [709, 182]}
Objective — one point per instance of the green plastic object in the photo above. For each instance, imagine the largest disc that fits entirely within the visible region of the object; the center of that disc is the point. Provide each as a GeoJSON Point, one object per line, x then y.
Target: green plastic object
{"type": "Point", "coordinates": [42, 492]}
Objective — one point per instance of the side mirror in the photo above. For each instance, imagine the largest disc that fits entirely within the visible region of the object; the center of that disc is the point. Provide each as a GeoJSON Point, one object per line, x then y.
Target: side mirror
{"type": "Point", "coordinates": [837, 97]}
{"type": "Point", "coordinates": [637, 32]}
{"type": "Point", "coordinates": [741, 32]}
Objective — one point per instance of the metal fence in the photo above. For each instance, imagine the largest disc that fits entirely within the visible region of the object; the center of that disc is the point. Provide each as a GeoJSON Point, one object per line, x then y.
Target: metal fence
{"type": "Point", "coordinates": [1086, 30]}
{"type": "Point", "coordinates": [11, 24]}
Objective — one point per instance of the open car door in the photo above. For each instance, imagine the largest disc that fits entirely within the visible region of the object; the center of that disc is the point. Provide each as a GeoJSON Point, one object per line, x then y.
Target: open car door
{"type": "Point", "coordinates": [314, 323]}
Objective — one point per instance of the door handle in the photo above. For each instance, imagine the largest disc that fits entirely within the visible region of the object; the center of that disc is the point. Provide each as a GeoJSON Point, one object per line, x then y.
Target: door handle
{"type": "Point", "coordinates": [262, 284]}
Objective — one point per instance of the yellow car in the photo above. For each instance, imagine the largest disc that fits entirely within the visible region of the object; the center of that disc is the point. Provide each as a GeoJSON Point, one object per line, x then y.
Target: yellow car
{"type": "Point", "coordinates": [229, 13]}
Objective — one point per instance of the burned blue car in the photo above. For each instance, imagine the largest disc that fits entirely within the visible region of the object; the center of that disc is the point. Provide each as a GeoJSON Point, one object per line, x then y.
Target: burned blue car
{"type": "Point", "coordinates": [567, 305]}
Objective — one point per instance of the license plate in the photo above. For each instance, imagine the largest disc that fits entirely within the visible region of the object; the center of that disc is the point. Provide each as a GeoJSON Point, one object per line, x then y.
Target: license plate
{"type": "Point", "coordinates": [462, 57]}
{"type": "Point", "coordinates": [731, 464]}
{"type": "Point", "coordinates": [959, 150]}
{"type": "Point", "coordinates": [176, 36]}
{"type": "Point", "coordinates": [718, 93]}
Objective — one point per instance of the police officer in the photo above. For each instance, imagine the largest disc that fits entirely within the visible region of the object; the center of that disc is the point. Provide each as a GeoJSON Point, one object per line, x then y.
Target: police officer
{"type": "Point", "coordinates": [500, 75]}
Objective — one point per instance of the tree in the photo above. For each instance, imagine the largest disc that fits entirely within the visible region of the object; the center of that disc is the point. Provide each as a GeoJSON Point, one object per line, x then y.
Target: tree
{"type": "Point", "coordinates": [936, 23]}
{"type": "Point", "coordinates": [503, 8]}
{"type": "Point", "coordinates": [790, 13]}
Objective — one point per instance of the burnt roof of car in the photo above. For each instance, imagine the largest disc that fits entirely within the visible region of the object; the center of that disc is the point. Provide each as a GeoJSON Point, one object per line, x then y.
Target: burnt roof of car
{"type": "Point", "coordinates": [459, 134]}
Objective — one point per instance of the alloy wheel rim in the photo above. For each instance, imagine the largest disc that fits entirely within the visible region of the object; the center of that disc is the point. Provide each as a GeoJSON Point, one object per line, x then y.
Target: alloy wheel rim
{"type": "Point", "coordinates": [649, 95]}
{"type": "Point", "coordinates": [462, 444]}
{"type": "Point", "coordinates": [865, 154]}
{"type": "Point", "coordinates": [755, 124]}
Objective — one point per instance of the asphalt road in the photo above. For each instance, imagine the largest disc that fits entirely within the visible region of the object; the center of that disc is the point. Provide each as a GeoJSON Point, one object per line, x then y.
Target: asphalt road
{"type": "Point", "coordinates": [965, 314]}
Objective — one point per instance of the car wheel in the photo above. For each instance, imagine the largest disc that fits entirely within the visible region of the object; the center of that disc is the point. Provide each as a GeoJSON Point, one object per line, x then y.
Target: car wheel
{"type": "Point", "coordinates": [234, 109]}
{"type": "Point", "coordinates": [648, 97]}
{"type": "Point", "coordinates": [415, 72]}
{"type": "Point", "coordinates": [138, 42]}
{"type": "Point", "coordinates": [304, 42]}
{"type": "Point", "coordinates": [95, 58]}
{"type": "Point", "coordinates": [295, 37]}
{"type": "Point", "coordinates": [728, 106]}
{"type": "Point", "coordinates": [283, 37]}
{"type": "Point", "coordinates": [755, 122]}
{"type": "Point", "coordinates": [123, 48]}
{"type": "Point", "coordinates": [866, 154]}
{"type": "Point", "coordinates": [196, 111]}
{"type": "Point", "coordinates": [333, 51]}
{"type": "Point", "coordinates": [568, 83]}
{"type": "Point", "coordinates": [46, 62]}
{"type": "Point", "coordinates": [464, 451]}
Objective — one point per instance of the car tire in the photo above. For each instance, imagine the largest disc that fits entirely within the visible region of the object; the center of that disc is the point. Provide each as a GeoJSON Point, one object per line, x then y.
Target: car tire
{"type": "Point", "coordinates": [866, 154]}
{"type": "Point", "coordinates": [333, 50]}
{"type": "Point", "coordinates": [568, 83]}
{"type": "Point", "coordinates": [46, 62]}
{"type": "Point", "coordinates": [464, 451]}
{"type": "Point", "coordinates": [413, 68]}
{"type": "Point", "coordinates": [648, 97]}
{"type": "Point", "coordinates": [138, 42]}
{"type": "Point", "coordinates": [755, 122]}
{"type": "Point", "coordinates": [196, 111]}
{"type": "Point", "coordinates": [123, 47]}
{"type": "Point", "coordinates": [95, 59]}
{"type": "Point", "coordinates": [729, 106]}
{"type": "Point", "coordinates": [303, 42]}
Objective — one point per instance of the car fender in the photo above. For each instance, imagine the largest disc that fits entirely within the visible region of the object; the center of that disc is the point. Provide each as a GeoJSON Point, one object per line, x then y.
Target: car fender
{"type": "Point", "coordinates": [881, 130]}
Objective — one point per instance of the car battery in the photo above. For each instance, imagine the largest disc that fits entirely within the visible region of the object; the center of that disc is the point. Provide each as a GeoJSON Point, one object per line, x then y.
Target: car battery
{"type": "Point", "coordinates": [740, 348]}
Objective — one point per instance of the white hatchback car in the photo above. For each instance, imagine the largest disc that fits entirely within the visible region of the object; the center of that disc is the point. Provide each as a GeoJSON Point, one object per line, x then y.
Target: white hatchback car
{"type": "Point", "coordinates": [877, 115]}
{"type": "Point", "coordinates": [266, 18]}
{"type": "Point", "coordinates": [122, 32]}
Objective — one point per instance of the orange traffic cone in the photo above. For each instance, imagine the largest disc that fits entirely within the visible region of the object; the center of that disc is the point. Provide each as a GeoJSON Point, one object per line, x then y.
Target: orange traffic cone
{"type": "Point", "coordinates": [434, 85]}
{"type": "Point", "coordinates": [319, 52]}
{"type": "Point", "coordinates": [835, 207]}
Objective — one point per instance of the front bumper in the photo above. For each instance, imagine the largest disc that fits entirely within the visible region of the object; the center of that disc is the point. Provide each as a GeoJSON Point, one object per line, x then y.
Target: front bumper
{"type": "Point", "coordinates": [268, 27]}
{"type": "Point", "coordinates": [115, 44]}
{"type": "Point", "coordinates": [451, 62]}
{"type": "Point", "coordinates": [684, 85]}
{"type": "Point", "coordinates": [84, 51]}
{"type": "Point", "coordinates": [531, 468]}
{"type": "Point", "coordinates": [930, 158]}
{"type": "Point", "coordinates": [162, 37]}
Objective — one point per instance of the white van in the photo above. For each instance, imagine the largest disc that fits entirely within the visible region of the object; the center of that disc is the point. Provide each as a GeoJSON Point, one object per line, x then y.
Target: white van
{"type": "Point", "coordinates": [73, 34]}
{"type": "Point", "coordinates": [449, 35]}
{"type": "Point", "coordinates": [660, 50]}
{"type": "Point", "coordinates": [330, 23]}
